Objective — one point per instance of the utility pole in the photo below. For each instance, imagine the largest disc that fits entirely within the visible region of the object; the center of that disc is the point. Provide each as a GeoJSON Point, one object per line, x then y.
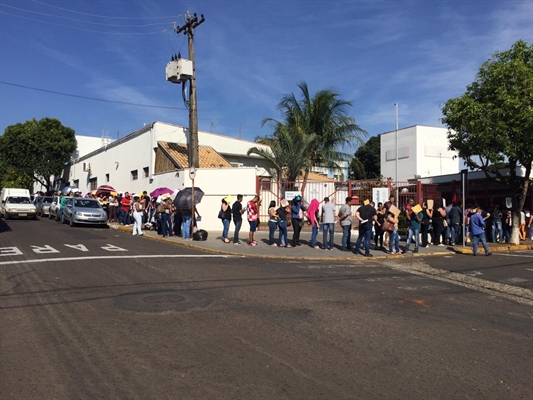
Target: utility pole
{"type": "Point", "coordinates": [188, 29]}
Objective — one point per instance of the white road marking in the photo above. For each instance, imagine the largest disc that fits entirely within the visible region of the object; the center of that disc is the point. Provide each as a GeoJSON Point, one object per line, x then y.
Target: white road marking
{"type": "Point", "coordinates": [110, 247]}
{"type": "Point", "coordinates": [10, 251]}
{"type": "Point", "coordinates": [44, 249]}
{"type": "Point", "coordinates": [44, 260]}
{"type": "Point", "coordinates": [516, 255]}
{"type": "Point", "coordinates": [77, 247]}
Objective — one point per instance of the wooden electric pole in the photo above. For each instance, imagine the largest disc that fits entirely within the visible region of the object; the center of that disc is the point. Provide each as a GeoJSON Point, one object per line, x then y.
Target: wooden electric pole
{"type": "Point", "coordinates": [188, 29]}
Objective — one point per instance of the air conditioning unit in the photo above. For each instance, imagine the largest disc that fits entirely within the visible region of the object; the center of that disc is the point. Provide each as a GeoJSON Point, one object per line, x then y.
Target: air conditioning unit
{"type": "Point", "coordinates": [179, 70]}
{"type": "Point", "coordinates": [237, 164]}
{"type": "Point", "coordinates": [86, 167]}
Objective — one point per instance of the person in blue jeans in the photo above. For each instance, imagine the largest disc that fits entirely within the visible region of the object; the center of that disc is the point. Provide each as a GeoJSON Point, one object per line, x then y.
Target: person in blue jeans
{"type": "Point", "coordinates": [345, 220]}
{"type": "Point", "coordinates": [414, 229]}
{"type": "Point", "coordinates": [237, 211]}
{"type": "Point", "coordinates": [165, 217]}
{"type": "Point", "coordinates": [283, 212]}
{"type": "Point", "coordinates": [272, 222]}
{"type": "Point", "coordinates": [328, 221]}
{"type": "Point", "coordinates": [312, 215]}
{"type": "Point", "coordinates": [225, 214]}
{"type": "Point", "coordinates": [365, 215]}
{"type": "Point", "coordinates": [477, 228]}
{"type": "Point", "coordinates": [394, 241]}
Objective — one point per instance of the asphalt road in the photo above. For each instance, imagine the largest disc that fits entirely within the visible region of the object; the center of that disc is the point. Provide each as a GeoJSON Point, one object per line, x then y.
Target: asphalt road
{"type": "Point", "coordinates": [89, 313]}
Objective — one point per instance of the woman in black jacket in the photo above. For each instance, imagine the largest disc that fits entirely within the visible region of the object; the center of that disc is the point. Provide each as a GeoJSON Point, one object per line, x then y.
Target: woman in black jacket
{"type": "Point", "coordinates": [225, 215]}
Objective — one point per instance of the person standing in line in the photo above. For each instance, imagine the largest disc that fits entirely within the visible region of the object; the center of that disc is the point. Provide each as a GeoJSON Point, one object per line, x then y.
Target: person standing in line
{"type": "Point", "coordinates": [522, 228]}
{"type": "Point", "coordinates": [529, 225]}
{"type": "Point", "coordinates": [138, 209]}
{"type": "Point", "coordinates": [273, 220]}
{"type": "Point", "coordinates": [394, 243]}
{"type": "Point", "coordinates": [328, 221]}
{"type": "Point", "coordinates": [237, 218]}
{"type": "Point", "coordinates": [345, 220]}
{"type": "Point", "coordinates": [314, 220]}
{"type": "Point", "coordinates": [366, 215]}
{"type": "Point", "coordinates": [125, 205]}
{"type": "Point", "coordinates": [165, 216]}
{"type": "Point", "coordinates": [438, 215]}
{"type": "Point", "coordinates": [477, 228]}
{"type": "Point", "coordinates": [497, 226]}
{"type": "Point", "coordinates": [297, 219]}
{"type": "Point", "coordinates": [414, 220]}
{"type": "Point", "coordinates": [283, 212]}
{"type": "Point", "coordinates": [455, 214]}
{"type": "Point", "coordinates": [225, 214]}
{"type": "Point", "coordinates": [252, 208]}
{"type": "Point", "coordinates": [387, 206]}
{"type": "Point", "coordinates": [112, 206]}
{"type": "Point", "coordinates": [424, 225]}
{"type": "Point", "coordinates": [378, 226]}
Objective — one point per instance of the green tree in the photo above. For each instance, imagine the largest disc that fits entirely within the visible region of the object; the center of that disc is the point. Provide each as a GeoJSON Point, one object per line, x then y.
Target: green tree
{"type": "Point", "coordinates": [493, 122]}
{"type": "Point", "coordinates": [288, 152]}
{"type": "Point", "coordinates": [38, 149]}
{"type": "Point", "coordinates": [320, 121]}
{"type": "Point", "coordinates": [366, 163]}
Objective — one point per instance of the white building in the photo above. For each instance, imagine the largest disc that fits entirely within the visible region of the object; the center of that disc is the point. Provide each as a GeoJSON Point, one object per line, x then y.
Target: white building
{"type": "Point", "coordinates": [422, 151]}
{"type": "Point", "coordinates": [157, 156]}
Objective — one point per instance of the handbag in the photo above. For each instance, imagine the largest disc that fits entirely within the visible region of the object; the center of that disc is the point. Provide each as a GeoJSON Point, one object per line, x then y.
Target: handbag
{"type": "Point", "coordinates": [388, 226]}
{"type": "Point", "coordinates": [220, 214]}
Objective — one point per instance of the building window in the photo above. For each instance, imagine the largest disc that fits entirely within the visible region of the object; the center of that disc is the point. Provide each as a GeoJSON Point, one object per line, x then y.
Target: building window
{"type": "Point", "coordinates": [107, 177]}
{"type": "Point", "coordinates": [77, 183]}
{"type": "Point", "coordinates": [134, 175]}
{"type": "Point", "coordinates": [266, 184]}
{"type": "Point", "coordinates": [93, 183]}
{"type": "Point", "coordinates": [146, 172]}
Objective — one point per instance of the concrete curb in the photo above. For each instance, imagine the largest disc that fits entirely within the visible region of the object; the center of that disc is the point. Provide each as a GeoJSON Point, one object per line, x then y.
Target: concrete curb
{"type": "Point", "coordinates": [497, 249]}
{"type": "Point", "coordinates": [353, 257]}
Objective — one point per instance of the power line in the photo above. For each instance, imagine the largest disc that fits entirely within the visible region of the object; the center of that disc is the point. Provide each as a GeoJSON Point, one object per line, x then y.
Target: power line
{"type": "Point", "coordinates": [86, 30]}
{"type": "Point", "coordinates": [101, 16]}
{"type": "Point", "coordinates": [80, 20]}
{"type": "Point", "coordinates": [90, 98]}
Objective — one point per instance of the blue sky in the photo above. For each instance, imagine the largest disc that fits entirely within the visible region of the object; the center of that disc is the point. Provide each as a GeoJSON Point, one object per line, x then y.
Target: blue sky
{"type": "Point", "coordinates": [248, 55]}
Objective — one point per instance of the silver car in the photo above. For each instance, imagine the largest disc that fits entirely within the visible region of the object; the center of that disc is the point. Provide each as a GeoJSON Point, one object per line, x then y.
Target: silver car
{"type": "Point", "coordinates": [42, 204]}
{"type": "Point", "coordinates": [53, 211]}
{"type": "Point", "coordinates": [79, 210]}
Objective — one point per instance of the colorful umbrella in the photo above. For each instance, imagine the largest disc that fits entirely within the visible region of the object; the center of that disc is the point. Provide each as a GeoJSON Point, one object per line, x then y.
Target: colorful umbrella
{"type": "Point", "coordinates": [161, 191]}
{"type": "Point", "coordinates": [104, 189]}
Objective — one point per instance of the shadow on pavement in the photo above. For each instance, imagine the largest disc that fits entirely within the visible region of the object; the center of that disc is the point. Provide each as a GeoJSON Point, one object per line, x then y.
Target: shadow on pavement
{"type": "Point", "coordinates": [4, 227]}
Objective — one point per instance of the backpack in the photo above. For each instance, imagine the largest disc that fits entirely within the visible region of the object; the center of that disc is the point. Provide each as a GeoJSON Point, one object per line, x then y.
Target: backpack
{"type": "Point", "coordinates": [200, 235]}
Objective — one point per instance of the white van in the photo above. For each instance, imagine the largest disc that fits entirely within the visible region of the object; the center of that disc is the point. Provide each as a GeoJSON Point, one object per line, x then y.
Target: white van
{"type": "Point", "coordinates": [16, 202]}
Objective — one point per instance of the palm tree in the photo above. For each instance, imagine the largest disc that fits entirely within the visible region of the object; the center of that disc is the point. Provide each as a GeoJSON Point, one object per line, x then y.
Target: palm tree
{"type": "Point", "coordinates": [288, 152]}
{"type": "Point", "coordinates": [323, 122]}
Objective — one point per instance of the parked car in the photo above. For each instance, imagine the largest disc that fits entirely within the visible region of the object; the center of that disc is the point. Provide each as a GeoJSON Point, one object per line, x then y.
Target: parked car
{"type": "Point", "coordinates": [79, 210]}
{"type": "Point", "coordinates": [53, 212]}
{"type": "Point", "coordinates": [18, 206]}
{"type": "Point", "coordinates": [42, 204]}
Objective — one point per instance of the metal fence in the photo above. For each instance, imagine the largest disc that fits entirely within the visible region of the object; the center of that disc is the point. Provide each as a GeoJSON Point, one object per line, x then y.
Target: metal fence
{"type": "Point", "coordinates": [337, 192]}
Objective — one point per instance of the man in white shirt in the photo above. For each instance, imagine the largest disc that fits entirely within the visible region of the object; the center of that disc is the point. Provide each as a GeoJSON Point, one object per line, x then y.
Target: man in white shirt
{"type": "Point", "coordinates": [328, 221]}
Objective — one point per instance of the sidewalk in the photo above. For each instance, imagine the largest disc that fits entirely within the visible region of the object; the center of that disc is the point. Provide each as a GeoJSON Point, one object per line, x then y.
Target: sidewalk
{"type": "Point", "coordinates": [215, 244]}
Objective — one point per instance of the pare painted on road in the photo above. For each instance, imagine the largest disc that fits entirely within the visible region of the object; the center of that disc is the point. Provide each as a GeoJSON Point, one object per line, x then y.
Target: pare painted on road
{"type": "Point", "coordinates": [47, 249]}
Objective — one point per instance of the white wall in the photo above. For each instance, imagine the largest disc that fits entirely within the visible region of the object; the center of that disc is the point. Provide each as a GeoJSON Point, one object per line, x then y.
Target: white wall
{"type": "Point", "coordinates": [217, 184]}
{"type": "Point", "coordinates": [423, 150]}
{"type": "Point", "coordinates": [406, 151]}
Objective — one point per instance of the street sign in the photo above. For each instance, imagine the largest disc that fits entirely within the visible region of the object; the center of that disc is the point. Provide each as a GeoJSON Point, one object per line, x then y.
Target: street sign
{"type": "Point", "coordinates": [192, 173]}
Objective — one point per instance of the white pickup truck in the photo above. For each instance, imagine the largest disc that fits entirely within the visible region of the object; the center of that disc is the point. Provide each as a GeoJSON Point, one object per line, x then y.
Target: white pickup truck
{"type": "Point", "coordinates": [15, 202]}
